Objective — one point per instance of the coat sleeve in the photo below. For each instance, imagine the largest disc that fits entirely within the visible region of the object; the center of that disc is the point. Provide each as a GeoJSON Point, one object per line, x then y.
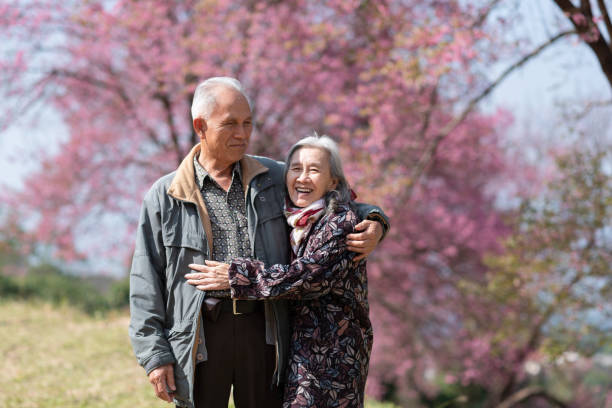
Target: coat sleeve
{"type": "Point", "coordinates": [374, 213]}
{"type": "Point", "coordinates": [147, 283]}
{"type": "Point", "coordinates": [326, 261]}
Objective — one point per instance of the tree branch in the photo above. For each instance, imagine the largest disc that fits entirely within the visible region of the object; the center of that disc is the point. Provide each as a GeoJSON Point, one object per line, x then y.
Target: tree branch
{"type": "Point", "coordinates": [108, 87]}
{"type": "Point", "coordinates": [536, 332]}
{"type": "Point", "coordinates": [529, 392]}
{"type": "Point", "coordinates": [433, 99]}
{"type": "Point", "coordinates": [430, 151]}
{"type": "Point", "coordinates": [585, 6]}
{"type": "Point", "coordinates": [487, 10]}
{"type": "Point", "coordinates": [606, 18]}
{"type": "Point", "coordinates": [594, 39]}
{"type": "Point", "coordinates": [165, 101]}
{"type": "Point", "coordinates": [566, 6]}
{"type": "Point", "coordinates": [589, 107]}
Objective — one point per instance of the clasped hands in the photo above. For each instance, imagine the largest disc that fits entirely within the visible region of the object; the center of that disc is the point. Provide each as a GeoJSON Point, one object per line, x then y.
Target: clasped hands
{"type": "Point", "coordinates": [210, 276]}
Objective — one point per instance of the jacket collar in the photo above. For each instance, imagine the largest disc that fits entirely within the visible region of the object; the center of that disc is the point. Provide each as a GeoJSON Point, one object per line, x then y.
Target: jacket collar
{"type": "Point", "coordinates": [184, 186]}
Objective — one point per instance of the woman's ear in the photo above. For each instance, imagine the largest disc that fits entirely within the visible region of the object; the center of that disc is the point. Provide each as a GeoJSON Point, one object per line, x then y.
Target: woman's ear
{"type": "Point", "coordinates": [332, 184]}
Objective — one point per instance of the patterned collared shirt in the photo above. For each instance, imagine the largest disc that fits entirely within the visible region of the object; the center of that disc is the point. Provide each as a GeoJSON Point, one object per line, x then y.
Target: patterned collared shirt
{"type": "Point", "coordinates": [227, 212]}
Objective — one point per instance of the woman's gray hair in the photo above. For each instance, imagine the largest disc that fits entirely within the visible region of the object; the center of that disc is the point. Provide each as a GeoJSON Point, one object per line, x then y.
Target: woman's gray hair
{"type": "Point", "coordinates": [205, 95]}
{"type": "Point", "coordinates": [342, 192]}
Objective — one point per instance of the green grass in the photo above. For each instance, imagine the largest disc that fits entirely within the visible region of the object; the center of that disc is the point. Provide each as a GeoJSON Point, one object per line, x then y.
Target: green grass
{"type": "Point", "coordinates": [59, 357]}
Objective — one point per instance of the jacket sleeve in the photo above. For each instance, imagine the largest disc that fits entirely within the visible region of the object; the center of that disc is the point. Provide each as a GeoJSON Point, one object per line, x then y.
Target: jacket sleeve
{"type": "Point", "coordinates": [374, 213]}
{"type": "Point", "coordinates": [147, 283]}
{"type": "Point", "coordinates": [326, 262]}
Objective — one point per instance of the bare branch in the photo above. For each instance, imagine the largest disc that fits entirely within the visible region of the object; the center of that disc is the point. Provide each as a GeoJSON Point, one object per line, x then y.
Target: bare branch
{"type": "Point", "coordinates": [529, 392]}
{"type": "Point", "coordinates": [606, 18]}
{"type": "Point", "coordinates": [585, 6]}
{"type": "Point", "coordinates": [485, 14]}
{"type": "Point", "coordinates": [593, 37]}
{"type": "Point", "coordinates": [566, 6]}
{"type": "Point", "coordinates": [165, 101]}
{"type": "Point", "coordinates": [433, 99]}
{"type": "Point", "coordinates": [430, 151]}
{"type": "Point", "coordinates": [589, 107]}
{"type": "Point", "coordinates": [109, 87]}
{"type": "Point", "coordinates": [536, 331]}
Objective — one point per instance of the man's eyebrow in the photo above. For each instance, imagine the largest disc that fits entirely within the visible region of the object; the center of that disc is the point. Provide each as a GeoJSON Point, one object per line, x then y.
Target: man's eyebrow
{"type": "Point", "coordinates": [233, 119]}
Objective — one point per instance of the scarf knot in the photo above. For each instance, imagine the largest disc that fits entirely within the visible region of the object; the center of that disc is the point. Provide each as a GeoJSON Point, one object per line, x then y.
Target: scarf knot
{"type": "Point", "coordinates": [302, 220]}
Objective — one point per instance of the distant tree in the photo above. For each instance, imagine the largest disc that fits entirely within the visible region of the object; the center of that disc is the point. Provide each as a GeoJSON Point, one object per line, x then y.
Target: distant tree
{"type": "Point", "coordinates": [550, 292]}
{"type": "Point", "coordinates": [397, 83]}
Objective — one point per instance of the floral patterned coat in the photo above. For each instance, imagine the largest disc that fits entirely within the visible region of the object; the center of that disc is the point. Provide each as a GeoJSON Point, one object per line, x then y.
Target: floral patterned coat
{"type": "Point", "coordinates": [332, 334]}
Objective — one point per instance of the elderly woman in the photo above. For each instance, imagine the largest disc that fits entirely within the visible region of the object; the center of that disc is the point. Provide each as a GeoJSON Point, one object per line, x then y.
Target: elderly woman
{"type": "Point", "coordinates": [332, 334]}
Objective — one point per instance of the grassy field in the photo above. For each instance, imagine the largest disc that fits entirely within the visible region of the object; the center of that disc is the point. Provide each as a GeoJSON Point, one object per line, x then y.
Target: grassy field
{"type": "Point", "coordinates": [57, 357]}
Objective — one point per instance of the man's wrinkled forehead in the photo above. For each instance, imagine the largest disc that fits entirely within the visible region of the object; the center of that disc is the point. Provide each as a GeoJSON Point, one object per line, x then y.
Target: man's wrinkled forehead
{"type": "Point", "coordinates": [229, 102]}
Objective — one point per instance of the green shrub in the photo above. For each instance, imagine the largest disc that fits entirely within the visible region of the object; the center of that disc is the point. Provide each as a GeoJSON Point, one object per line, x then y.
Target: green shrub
{"type": "Point", "coordinates": [48, 283]}
{"type": "Point", "coordinates": [9, 288]}
{"type": "Point", "coordinates": [119, 294]}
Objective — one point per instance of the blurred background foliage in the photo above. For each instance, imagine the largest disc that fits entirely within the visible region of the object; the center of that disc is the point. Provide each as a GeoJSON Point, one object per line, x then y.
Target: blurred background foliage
{"type": "Point", "coordinates": [492, 288]}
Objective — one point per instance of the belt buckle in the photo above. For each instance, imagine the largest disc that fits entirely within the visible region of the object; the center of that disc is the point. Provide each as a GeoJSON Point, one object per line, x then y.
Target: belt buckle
{"type": "Point", "coordinates": [234, 307]}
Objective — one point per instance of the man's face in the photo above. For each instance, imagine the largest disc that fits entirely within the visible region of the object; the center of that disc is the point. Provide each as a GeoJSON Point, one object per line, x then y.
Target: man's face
{"type": "Point", "coordinates": [228, 129]}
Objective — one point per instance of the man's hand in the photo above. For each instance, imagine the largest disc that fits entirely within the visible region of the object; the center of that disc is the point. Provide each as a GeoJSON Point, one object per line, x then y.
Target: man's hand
{"type": "Point", "coordinates": [212, 276]}
{"type": "Point", "coordinates": [162, 379]}
{"type": "Point", "coordinates": [364, 242]}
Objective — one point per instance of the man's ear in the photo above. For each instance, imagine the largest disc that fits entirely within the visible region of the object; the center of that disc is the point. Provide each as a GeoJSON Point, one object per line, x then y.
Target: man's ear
{"type": "Point", "coordinates": [199, 125]}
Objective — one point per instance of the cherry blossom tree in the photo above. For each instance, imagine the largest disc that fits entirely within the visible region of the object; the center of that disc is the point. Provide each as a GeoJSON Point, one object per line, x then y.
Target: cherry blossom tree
{"type": "Point", "coordinates": [397, 83]}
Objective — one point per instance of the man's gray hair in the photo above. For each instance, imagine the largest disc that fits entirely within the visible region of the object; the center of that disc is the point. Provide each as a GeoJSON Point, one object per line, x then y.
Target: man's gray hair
{"type": "Point", "coordinates": [205, 95]}
{"type": "Point", "coordinates": [342, 192]}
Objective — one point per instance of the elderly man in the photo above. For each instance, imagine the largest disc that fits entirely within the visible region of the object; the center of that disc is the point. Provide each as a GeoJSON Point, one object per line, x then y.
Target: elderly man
{"type": "Point", "coordinates": [218, 205]}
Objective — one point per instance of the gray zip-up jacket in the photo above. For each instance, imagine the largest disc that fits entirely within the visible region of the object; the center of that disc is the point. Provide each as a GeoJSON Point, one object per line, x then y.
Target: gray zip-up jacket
{"type": "Point", "coordinates": [174, 231]}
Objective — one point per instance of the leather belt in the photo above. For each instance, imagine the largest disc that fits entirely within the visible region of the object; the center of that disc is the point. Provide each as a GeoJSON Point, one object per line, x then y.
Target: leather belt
{"type": "Point", "coordinates": [238, 307]}
{"type": "Point", "coordinates": [214, 306]}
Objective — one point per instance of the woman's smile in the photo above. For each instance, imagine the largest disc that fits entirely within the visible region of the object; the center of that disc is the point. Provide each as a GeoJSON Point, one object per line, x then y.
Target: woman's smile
{"type": "Point", "coordinates": [309, 176]}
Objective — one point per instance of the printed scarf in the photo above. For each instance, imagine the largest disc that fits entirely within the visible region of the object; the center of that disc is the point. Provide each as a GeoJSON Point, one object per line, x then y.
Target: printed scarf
{"type": "Point", "coordinates": [302, 220]}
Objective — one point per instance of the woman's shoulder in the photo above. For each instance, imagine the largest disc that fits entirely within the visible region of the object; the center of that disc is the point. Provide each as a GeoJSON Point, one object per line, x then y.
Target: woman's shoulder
{"type": "Point", "coordinates": [343, 219]}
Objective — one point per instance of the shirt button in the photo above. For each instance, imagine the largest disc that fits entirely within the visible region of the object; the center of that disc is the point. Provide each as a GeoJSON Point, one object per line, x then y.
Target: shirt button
{"type": "Point", "coordinates": [199, 340]}
{"type": "Point", "coordinates": [200, 356]}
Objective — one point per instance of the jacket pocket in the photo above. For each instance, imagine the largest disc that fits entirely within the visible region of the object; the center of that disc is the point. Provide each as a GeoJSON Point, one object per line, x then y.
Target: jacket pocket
{"type": "Point", "coordinates": [268, 204]}
{"type": "Point", "coordinates": [188, 240]}
{"type": "Point", "coordinates": [180, 337]}
{"type": "Point", "coordinates": [181, 250]}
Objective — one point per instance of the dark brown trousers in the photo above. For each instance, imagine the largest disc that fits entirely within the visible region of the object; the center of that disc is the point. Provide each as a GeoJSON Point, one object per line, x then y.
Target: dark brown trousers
{"type": "Point", "coordinates": [237, 355]}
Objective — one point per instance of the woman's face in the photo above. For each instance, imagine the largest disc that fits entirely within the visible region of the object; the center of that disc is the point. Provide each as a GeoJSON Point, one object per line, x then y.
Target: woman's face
{"type": "Point", "coordinates": [309, 176]}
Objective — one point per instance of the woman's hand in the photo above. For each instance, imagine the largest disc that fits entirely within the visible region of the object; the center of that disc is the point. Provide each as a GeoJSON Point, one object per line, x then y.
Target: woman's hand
{"type": "Point", "coordinates": [211, 276]}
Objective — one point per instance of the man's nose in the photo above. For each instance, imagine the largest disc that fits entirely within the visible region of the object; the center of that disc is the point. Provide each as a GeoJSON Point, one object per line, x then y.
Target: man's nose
{"type": "Point", "coordinates": [241, 132]}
